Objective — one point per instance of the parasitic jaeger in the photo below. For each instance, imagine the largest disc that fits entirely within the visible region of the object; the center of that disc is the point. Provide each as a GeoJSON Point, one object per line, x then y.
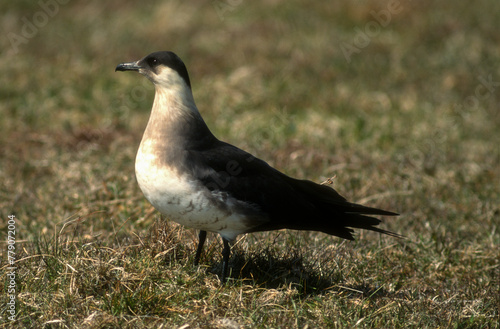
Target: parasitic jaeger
{"type": "Point", "coordinates": [195, 179]}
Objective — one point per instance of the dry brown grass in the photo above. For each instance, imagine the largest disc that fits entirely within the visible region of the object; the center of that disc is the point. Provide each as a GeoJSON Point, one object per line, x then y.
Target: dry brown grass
{"type": "Point", "coordinates": [407, 125]}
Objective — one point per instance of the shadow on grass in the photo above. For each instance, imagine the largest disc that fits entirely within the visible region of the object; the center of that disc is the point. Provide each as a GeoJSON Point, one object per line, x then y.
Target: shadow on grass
{"type": "Point", "coordinates": [273, 270]}
{"type": "Point", "coordinates": [277, 268]}
{"type": "Point", "coordinates": [271, 267]}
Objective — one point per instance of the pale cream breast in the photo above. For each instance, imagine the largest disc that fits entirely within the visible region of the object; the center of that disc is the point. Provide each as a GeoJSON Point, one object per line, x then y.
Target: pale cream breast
{"type": "Point", "coordinates": [184, 200]}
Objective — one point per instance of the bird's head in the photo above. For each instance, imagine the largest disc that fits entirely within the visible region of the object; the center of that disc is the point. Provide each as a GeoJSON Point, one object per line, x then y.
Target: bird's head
{"type": "Point", "coordinates": [164, 68]}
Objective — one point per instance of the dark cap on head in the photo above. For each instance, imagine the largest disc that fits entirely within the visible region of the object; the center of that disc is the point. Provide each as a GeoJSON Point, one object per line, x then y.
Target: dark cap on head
{"type": "Point", "coordinates": [154, 60]}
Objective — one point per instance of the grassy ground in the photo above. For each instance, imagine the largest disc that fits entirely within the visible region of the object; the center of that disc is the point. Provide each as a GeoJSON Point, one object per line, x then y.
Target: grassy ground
{"type": "Point", "coordinates": [398, 100]}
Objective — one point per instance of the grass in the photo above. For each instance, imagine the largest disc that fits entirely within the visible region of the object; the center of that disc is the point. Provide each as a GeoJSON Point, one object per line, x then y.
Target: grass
{"type": "Point", "coordinates": [409, 123]}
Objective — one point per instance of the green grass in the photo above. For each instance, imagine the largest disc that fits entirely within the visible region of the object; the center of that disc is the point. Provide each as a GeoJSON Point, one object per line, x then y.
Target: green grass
{"type": "Point", "coordinates": [406, 125]}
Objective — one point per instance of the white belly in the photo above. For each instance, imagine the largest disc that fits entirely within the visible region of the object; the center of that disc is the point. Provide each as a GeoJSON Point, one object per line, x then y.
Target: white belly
{"type": "Point", "coordinates": [184, 200]}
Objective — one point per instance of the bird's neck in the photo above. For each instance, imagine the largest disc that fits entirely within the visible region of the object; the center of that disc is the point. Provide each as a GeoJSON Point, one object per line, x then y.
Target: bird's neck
{"type": "Point", "coordinates": [175, 119]}
{"type": "Point", "coordinates": [173, 104]}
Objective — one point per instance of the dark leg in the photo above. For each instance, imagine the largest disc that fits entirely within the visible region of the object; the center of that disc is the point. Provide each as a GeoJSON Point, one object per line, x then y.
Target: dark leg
{"type": "Point", "coordinates": [202, 236]}
{"type": "Point", "coordinates": [225, 259]}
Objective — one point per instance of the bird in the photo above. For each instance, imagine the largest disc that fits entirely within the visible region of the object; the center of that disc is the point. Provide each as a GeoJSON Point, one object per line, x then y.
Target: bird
{"type": "Point", "coordinates": [201, 182]}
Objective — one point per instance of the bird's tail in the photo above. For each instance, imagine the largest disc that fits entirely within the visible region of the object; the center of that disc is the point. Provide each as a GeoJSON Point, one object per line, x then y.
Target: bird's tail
{"type": "Point", "coordinates": [369, 223]}
{"type": "Point", "coordinates": [339, 216]}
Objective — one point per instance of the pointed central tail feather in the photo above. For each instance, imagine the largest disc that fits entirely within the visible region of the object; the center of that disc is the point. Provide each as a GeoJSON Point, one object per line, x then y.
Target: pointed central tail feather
{"type": "Point", "coordinates": [368, 223]}
{"type": "Point", "coordinates": [338, 215]}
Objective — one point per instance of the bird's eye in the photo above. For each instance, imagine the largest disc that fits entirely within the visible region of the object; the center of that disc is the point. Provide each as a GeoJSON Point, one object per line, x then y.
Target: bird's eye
{"type": "Point", "coordinates": [152, 62]}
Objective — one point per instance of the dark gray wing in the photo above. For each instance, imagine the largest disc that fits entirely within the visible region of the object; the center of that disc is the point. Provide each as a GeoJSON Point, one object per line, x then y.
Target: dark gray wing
{"type": "Point", "coordinates": [281, 201]}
